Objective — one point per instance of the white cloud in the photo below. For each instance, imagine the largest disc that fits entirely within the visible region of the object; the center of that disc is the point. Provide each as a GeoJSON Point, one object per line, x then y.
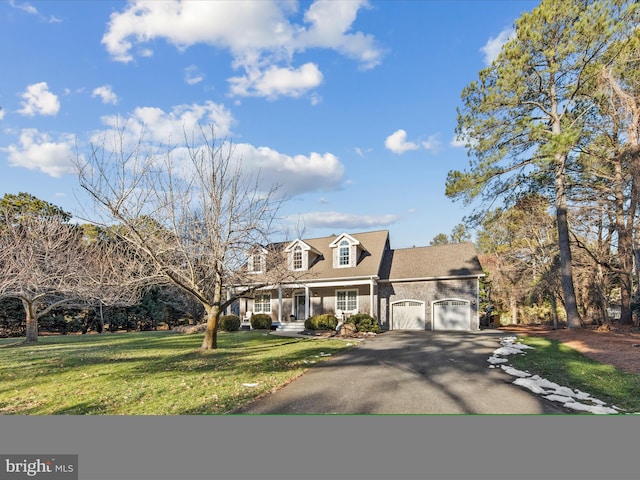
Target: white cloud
{"type": "Point", "coordinates": [330, 23]}
{"type": "Point", "coordinates": [315, 99]}
{"type": "Point", "coordinates": [461, 140]}
{"type": "Point", "coordinates": [105, 92]}
{"type": "Point", "coordinates": [37, 151]}
{"type": "Point", "coordinates": [275, 81]}
{"type": "Point", "coordinates": [346, 221]}
{"type": "Point", "coordinates": [293, 173]}
{"type": "Point", "coordinates": [494, 45]}
{"type": "Point", "coordinates": [162, 127]}
{"type": "Point", "coordinates": [31, 10]}
{"type": "Point", "coordinates": [39, 100]}
{"type": "Point", "coordinates": [145, 52]}
{"type": "Point", "coordinates": [458, 141]}
{"type": "Point", "coordinates": [192, 75]}
{"type": "Point", "coordinates": [261, 37]}
{"type": "Point", "coordinates": [397, 142]}
{"type": "Point", "coordinates": [1, 114]}
{"type": "Point", "coordinates": [362, 153]}
{"type": "Point", "coordinates": [238, 26]}
{"type": "Point", "coordinates": [432, 143]}
{"type": "Point", "coordinates": [24, 6]}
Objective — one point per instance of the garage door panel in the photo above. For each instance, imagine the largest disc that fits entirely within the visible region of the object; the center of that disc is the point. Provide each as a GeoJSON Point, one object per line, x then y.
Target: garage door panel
{"type": "Point", "coordinates": [451, 315]}
{"type": "Point", "coordinates": [408, 315]}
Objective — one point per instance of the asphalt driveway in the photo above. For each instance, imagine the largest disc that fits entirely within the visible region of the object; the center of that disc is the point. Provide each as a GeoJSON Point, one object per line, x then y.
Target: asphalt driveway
{"type": "Point", "coordinates": [401, 372]}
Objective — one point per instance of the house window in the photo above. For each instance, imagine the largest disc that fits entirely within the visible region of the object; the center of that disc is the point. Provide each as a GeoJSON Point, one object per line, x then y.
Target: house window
{"type": "Point", "coordinates": [347, 300]}
{"type": "Point", "coordinates": [344, 250]}
{"type": "Point", "coordinates": [262, 303]}
{"type": "Point", "coordinates": [297, 258]}
{"type": "Point", "coordinates": [256, 263]}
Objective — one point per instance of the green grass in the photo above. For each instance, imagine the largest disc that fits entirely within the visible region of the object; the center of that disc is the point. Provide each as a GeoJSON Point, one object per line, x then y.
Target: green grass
{"type": "Point", "coordinates": [149, 373]}
{"type": "Point", "coordinates": [567, 367]}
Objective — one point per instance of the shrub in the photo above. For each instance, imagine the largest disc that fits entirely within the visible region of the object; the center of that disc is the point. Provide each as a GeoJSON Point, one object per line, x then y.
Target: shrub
{"type": "Point", "coordinates": [260, 321]}
{"type": "Point", "coordinates": [229, 323]}
{"type": "Point", "coordinates": [321, 322]}
{"type": "Point", "coordinates": [364, 322]}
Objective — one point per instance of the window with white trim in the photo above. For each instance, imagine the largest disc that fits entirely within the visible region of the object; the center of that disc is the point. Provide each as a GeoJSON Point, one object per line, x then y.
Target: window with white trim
{"type": "Point", "coordinates": [262, 303]}
{"type": "Point", "coordinates": [344, 254]}
{"type": "Point", "coordinates": [347, 300]}
{"type": "Point", "coordinates": [256, 263]}
{"type": "Point", "coordinates": [297, 258]}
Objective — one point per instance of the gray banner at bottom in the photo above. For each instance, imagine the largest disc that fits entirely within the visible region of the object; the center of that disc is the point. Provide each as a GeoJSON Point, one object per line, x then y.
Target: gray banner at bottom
{"type": "Point", "coordinates": [45, 467]}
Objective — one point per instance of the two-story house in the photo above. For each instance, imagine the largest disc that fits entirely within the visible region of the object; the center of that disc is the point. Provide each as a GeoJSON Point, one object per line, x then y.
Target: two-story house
{"type": "Point", "coordinates": [410, 289]}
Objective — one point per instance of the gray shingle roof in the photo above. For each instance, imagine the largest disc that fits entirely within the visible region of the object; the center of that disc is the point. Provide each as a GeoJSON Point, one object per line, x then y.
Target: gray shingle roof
{"type": "Point", "coordinates": [429, 262]}
{"type": "Point", "coordinates": [378, 259]}
{"type": "Point", "coordinates": [374, 244]}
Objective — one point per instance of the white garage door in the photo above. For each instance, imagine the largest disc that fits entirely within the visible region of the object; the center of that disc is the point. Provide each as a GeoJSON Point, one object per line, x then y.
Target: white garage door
{"type": "Point", "coordinates": [407, 315]}
{"type": "Point", "coordinates": [451, 315]}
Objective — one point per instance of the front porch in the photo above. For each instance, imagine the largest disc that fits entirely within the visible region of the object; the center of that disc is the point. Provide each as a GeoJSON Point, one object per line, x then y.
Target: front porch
{"type": "Point", "coordinates": [289, 305]}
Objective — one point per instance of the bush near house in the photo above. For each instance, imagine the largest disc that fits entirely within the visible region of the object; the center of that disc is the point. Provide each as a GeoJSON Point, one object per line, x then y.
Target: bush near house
{"type": "Point", "coordinates": [229, 323]}
{"type": "Point", "coordinates": [364, 322]}
{"type": "Point", "coordinates": [321, 322]}
{"type": "Point", "coordinates": [260, 321]}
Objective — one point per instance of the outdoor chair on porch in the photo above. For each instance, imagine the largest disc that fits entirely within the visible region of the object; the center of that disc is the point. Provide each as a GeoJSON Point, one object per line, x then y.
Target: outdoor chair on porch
{"type": "Point", "coordinates": [246, 321]}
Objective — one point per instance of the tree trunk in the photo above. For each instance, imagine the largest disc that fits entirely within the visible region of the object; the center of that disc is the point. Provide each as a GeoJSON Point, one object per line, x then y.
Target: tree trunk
{"type": "Point", "coordinates": [554, 310]}
{"type": "Point", "coordinates": [566, 263]}
{"type": "Point", "coordinates": [625, 245]}
{"type": "Point", "coordinates": [210, 341]}
{"type": "Point", "coordinates": [32, 321]}
{"type": "Point", "coordinates": [101, 320]}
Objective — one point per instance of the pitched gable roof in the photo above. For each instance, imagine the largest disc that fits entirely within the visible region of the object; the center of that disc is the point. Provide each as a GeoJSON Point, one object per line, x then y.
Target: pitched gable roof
{"type": "Point", "coordinates": [372, 244]}
{"type": "Point", "coordinates": [440, 261]}
{"type": "Point", "coordinates": [376, 258]}
{"type": "Point", "coordinates": [304, 245]}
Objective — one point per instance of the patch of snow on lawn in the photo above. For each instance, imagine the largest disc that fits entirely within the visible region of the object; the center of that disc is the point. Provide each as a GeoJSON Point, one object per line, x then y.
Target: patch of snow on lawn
{"type": "Point", "coordinates": [514, 372]}
{"type": "Point", "coordinates": [572, 399]}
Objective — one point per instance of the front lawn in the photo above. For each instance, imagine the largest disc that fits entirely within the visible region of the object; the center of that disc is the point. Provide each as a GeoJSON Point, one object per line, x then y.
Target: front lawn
{"type": "Point", "coordinates": [149, 373]}
{"type": "Point", "coordinates": [561, 364]}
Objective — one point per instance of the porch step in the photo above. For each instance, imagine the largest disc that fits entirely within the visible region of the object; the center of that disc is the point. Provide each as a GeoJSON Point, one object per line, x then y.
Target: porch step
{"type": "Point", "coordinates": [297, 326]}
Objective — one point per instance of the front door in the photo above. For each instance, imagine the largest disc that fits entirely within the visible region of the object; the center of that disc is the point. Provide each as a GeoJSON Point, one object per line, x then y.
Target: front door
{"type": "Point", "coordinates": [299, 307]}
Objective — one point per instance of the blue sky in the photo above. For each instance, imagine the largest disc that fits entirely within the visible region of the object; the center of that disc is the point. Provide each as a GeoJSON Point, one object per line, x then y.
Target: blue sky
{"type": "Point", "coordinates": [350, 106]}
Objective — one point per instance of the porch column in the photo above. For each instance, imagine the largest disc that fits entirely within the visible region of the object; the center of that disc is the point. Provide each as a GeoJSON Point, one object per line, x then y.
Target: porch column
{"type": "Point", "coordinates": [371, 298]}
{"type": "Point", "coordinates": [226, 309]}
{"type": "Point", "coordinates": [280, 303]}
{"type": "Point", "coordinates": [306, 302]}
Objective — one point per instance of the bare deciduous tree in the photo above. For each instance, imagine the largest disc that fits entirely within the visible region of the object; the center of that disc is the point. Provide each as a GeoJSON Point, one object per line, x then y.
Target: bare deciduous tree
{"type": "Point", "coordinates": [111, 276]}
{"type": "Point", "coordinates": [42, 262]}
{"type": "Point", "coordinates": [190, 214]}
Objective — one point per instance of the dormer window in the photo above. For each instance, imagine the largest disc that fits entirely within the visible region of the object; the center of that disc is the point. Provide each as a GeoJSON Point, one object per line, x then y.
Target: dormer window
{"type": "Point", "coordinates": [301, 255]}
{"type": "Point", "coordinates": [344, 253]}
{"type": "Point", "coordinates": [297, 258]}
{"type": "Point", "coordinates": [257, 261]}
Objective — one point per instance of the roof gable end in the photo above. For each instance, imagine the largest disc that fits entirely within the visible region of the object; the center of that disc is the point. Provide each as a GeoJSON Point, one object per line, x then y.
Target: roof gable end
{"type": "Point", "coordinates": [305, 246]}
{"type": "Point", "coordinates": [344, 236]}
